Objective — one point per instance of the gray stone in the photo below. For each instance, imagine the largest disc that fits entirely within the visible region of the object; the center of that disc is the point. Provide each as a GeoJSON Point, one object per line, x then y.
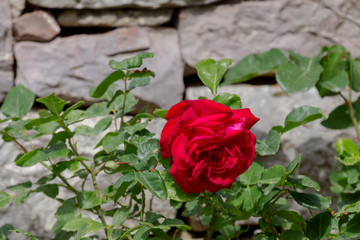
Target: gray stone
{"type": "Point", "coordinates": [113, 18]}
{"type": "Point", "coordinates": [97, 4]}
{"type": "Point", "coordinates": [35, 26]}
{"type": "Point", "coordinates": [237, 30]}
{"type": "Point", "coordinates": [70, 66]}
{"type": "Point", "coordinates": [315, 142]}
{"type": "Point", "coordinates": [6, 43]}
{"type": "Point", "coordinates": [17, 7]}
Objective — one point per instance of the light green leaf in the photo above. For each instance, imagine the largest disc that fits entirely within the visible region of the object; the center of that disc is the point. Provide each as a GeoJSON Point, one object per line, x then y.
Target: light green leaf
{"type": "Point", "coordinates": [319, 226]}
{"type": "Point", "coordinates": [348, 151]}
{"type": "Point", "coordinates": [233, 101]}
{"type": "Point", "coordinates": [97, 110]}
{"type": "Point", "coordinates": [252, 175]}
{"type": "Point", "coordinates": [88, 199]}
{"type": "Point", "coordinates": [174, 191]}
{"type": "Point", "coordinates": [153, 182]}
{"type": "Point", "coordinates": [337, 83]}
{"type": "Point", "coordinates": [18, 102]}
{"type": "Point", "coordinates": [120, 216]}
{"type": "Point", "coordinates": [269, 146]}
{"type": "Point", "coordinates": [136, 82]}
{"type": "Point", "coordinates": [161, 113]}
{"type": "Point", "coordinates": [107, 82]}
{"type": "Point", "coordinates": [355, 74]}
{"type": "Point", "coordinates": [112, 140]}
{"type": "Point", "coordinates": [255, 65]}
{"type": "Point", "coordinates": [5, 199]}
{"type": "Point", "coordinates": [304, 181]}
{"type": "Point", "coordinates": [211, 72]}
{"type": "Point", "coordinates": [70, 109]}
{"type": "Point", "coordinates": [31, 158]}
{"type": "Point", "coordinates": [53, 103]}
{"type": "Point", "coordinates": [272, 175]}
{"type": "Point", "coordinates": [132, 62]}
{"type": "Point", "coordinates": [83, 225]}
{"type": "Point", "coordinates": [300, 75]}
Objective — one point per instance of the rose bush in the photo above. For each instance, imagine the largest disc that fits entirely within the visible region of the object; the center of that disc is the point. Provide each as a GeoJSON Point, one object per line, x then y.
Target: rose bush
{"type": "Point", "coordinates": [210, 144]}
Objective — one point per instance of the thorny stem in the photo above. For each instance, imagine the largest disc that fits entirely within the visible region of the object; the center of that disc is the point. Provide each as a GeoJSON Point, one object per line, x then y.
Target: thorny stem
{"type": "Point", "coordinates": [351, 111]}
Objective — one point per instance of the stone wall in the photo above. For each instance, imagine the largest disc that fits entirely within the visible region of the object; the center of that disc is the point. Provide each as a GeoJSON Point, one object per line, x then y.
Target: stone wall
{"type": "Point", "coordinates": [64, 47]}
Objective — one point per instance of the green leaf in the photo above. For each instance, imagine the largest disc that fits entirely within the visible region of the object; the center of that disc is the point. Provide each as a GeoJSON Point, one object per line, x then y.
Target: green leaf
{"type": "Point", "coordinates": [252, 175]}
{"type": "Point", "coordinates": [136, 82]}
{"type": "Point", "coordinates": [39, 121]}
{"type": "Point", "coordinates": [300, 75]}
{"type": "Point", "coordinates": [142, 233]}
{"type": "Point", "coordinates": [339, 118]}
{"type": "Point", "coordinates": [153, 182]}
{"type": "Point", "coordinates": [132, 62]}
{"type": "Point", "coordinates": [319, 226]}
{"type": "Point", "coordinates": [112, 140]}
{"type": "Point", "coordinates": [70, 109]}
{"type": "Point", "coordinates": [5, 230]}
{"type": "Point", "coordinates": [348, 151]}
{"type": "Point", "coordinates": [175, 223]}
{"type": "Point", "coordinates": [45, 179]}
{"type": "Point", "coordinates": [53, 103]}
{"type": "Point", "coordinates": [304, 181]}
{"type": "Point", "coordinates": [97, 110]}
{"type": "Point", "coordinates": [5, 199]}
{"type": "Point", "coordinates": [233, 101]}
{"type": "Point", "coordinates": [82, 226]}
{"type": "Point", "coordinates": [105, 84]}
{"type": "Point", "coordinates": [269, 146]}
{"type": "Point", "coordinates": [20, 187]}
{"type": "Point", "coordinates": [311, 200]}
{"type": "Point", "coordinates": [67, 210]}
{"type": "Point", "coordinates": [58, 149]}
{"type": "Point", "coordinates": [292, 235]}
{"type": "Point", "coordinates": [131, 129]}
{"type": "Point", "coordinates": [272, 175]}
{"type": "Point", "coordinates": [114, 234]}
{"type": "Point", "coordinates": [174, 191]}
{"type": "Point", "coordinates": [293, 165]}
{"type": "Point", "coordinates": [211, 72]}
{"type": "Point", "coordinates": [118, 102]}
{"type": "Point", "coordinates": [120, 216]}
{"type": "Point", "coordinates": [88, 199]}
{"type": "Point", "coordinates": [100, 126]}
{"type": "Point", "coordinates": [352, 208]}
{"type": "Point", "coordinates": [300, 116]}
{"type": "Point", "coordinates": [161, 113]}
{"type": "Point", "coordinates": [29, 235]}
{"type": "Point", "coordinates": [349, 226]}
{"type": "Point", "coordinates": [18, 102]}
{"type": "Point", "coordinates": [290, 216]}
{"type": "Point", "coordinates": [355, 74]}
{"type": "Point", "coordinates": [50, 190]}
{"type": "Point", "coordinates": [249, 198]}
{"type": "Point", "coordinates": [31, 158]}
{"type": "Point", "coordinates": [337, 83]}
{"type": "Point", "coordinates": [255, 65]}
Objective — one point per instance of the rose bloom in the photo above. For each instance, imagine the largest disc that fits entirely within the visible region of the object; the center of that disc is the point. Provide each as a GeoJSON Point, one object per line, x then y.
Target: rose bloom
{"type": "Point", "coordinates": [210, 144]}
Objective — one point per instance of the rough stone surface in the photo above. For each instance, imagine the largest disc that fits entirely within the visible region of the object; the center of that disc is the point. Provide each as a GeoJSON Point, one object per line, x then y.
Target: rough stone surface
{"type": "Point", "coordinates": [36, 26]}
{"type": "Point", "coordinates": [237, 30]}
{"type": "Point", "coordinates": [17, 7]}
{"type": "Point", "coordinates": [6, 55]}
{"type": "Point", "coordinates": [37, 213]}
{"type": "Point", "coordinates": [70, 66]}
{"type": "Point", "coordinates": [114, 18]}
{"type": "Point", "coordinates": [315, 142]}
{"type": "Point", "coordinates": [96, 4]}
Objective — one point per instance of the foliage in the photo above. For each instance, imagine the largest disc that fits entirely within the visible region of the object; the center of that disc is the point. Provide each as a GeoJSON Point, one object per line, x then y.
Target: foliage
{"type": "Point", "coordinates": [130, 152]}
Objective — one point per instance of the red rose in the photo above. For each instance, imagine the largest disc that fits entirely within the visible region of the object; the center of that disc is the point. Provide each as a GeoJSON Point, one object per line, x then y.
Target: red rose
{"type": "Point", "coordinates": [210, 144]}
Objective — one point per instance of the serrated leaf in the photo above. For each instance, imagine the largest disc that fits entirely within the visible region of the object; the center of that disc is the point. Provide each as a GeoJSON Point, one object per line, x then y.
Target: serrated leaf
{"type": "Point", "coordinates": [161, 113]}
{"type": "Point", "coordinates": [339, 118]}
{"type": "Point", "coordinates": [107, 82]}
{"type": "Point", "coordinates": [88, 199]}
{"type": "Point", "coordinates": [233, 101]}
{"type": "Point", "coordinates": [211, 72]}
{"type": "Point", "coordinates": [83, 225]}
{"type": "Point", "coordinates": [272, 175]}
{"type": "Point", "coordinates": [137, 82]}
{"type": "Point", "coordinates": [70, 109]}
{"type": "Point", "coordinates": [120, 216]}
{"type": "Point", "coordinates": [255, 65]}
{"type": "Point", "coordinates": [142, 233]}
{"type": "Point", "coordinates": [300, 75]}
{"type": "Point", "coordinates": [58, 149]}
{"type": "Point", "coordinates": [18, 102]}
{"type": "Point", "coordinates": [153, 182]}
{"type": "Point", "coordinates": [300, 116]}
{"type": "Point", "coordinates": [269, 146]}
{"type": "Point", "coordinates": [50, 190]}
{"type": "Point", "coordinates": [5, 199]}
{"type": "Point", "coordinates": [67, 210]}
{"type": "Point", "coordinates": [249, 198]}
{"type": "Point", "coordinates": [31, 158]}
{"type": "Point", "coordinates": [132, 62]}
{"type": "Point", "coordinates": [112, 140]}
{"type": "Point", "coordinates": [20, 187]}
{"type": "Point", "coordinates": [53, 103]}
{"type": "Point", "coordinates": [252, 175]}
{"type": "Point", "coordinates": [319, 226]}
{"type": "Point", "coordinates": [311, 200]}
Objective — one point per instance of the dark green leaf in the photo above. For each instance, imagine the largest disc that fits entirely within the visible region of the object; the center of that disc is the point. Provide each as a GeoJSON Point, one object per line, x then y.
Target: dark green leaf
{"type": "Point", "coordinates": [269, 146]}
{"type": "Point", "coordinates": [300, 75]}
{"type": "Point", "coordinates": [136, 82]}
{"type": "Point", "coordinates": [137, 74]}
{"type": "Point", "coordinates": [142, 233]}
{"type": "Point", "coordinates": [18, 102]}
{"type": "Point", "coordinates": [304, 181]}
{"type": "Point", "coordinates": [211, 72]}
{"type": "Point", "coordinates": [105, 84]}
{"type": "Point", "coordinates": [57, 150]}
{"type": "Point", "coordinates": [292, 235]}
{"type": "Point", "coordinates": [5, 230]}
{"type": "Point", "coordinates": [311, 200]}
{"type": "Point", "coordinates": [50, 190]}
{"type": "Point", "coordinates": [349, 226]}
{"type": "Point", "coordinates": [293, 165]}
{"type": "Point", "coordinates": [20, 187]}
{"type": "Point", "coordinates": [319, 226]}
{"type": "Point", "coordinates": [300, 116]}
{"type": "Point", "coordinates": [339, 118]}
{"type": "Point", "coordinates": [67, 210]}
{"type": "Point", "coordinates": [31, 158]}
{"type": "Point", "coordinates": [233, 101]}
{"type": "Point", "coordinates": [5, 199]}
{"type": "Point", "coordinates": [114, 234]}
{"type": "Point", "coordinates": [337, 83]}
{"type": "Point", "coordinates": [39, 121]}
{"type": "Point", "coordinates": [255, 65]}
{"type": "Point", "coordinates": [133, 62]}
{"type": "Point", "coordinates": [53, 103]}
{"type": "Point", "coordinates": [88, 199]}
{"type": "Point", "coordinates": [153, 182]}
{"type": "Point", "coordinates": [161, 113]}
{"type": "Point", "coordinates": [45, 179]}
